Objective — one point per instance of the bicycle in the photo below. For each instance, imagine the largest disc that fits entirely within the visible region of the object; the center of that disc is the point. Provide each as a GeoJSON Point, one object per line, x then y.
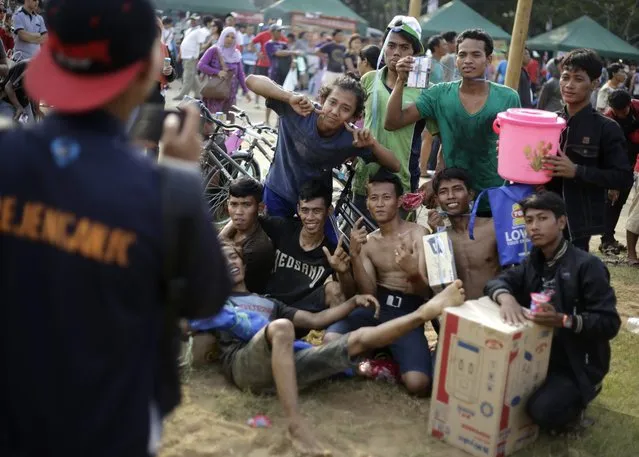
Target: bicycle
{"type": "Point", "coordinates": [218, 167]}
{"type": "Point", "coordinates": [256, 133]}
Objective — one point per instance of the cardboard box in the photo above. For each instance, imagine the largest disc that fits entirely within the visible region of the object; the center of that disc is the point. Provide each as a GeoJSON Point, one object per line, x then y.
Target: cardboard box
{"type": "Point", "coordinates": [440, 260]}
{"type": "Point", "coordinates": [486, 371]}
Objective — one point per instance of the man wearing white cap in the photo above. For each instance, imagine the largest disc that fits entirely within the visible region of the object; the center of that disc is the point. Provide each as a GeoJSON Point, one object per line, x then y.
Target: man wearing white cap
{"type": "Point", "coordinates": [402, 39]}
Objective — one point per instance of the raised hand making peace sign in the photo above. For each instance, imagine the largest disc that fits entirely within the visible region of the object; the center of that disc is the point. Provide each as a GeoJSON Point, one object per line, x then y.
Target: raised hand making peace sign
{"type": "Point", "coordinates": [362, 138]}
{"type": "Point", "coordinates": [339, 261]}
{"type": "Point", "coordinates": [407, 256]}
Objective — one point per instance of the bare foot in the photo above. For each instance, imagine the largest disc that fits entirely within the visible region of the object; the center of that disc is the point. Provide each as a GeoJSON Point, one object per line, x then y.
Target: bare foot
{"type": "Point", "coordinates": [453, 295]}
{"type": "Point", "coordinates": [304, 442]}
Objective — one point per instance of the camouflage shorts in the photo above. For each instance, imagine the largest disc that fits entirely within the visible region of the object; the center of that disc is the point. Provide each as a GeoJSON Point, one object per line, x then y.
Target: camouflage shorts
{"type": "Point", "coordinates": [252, 370]}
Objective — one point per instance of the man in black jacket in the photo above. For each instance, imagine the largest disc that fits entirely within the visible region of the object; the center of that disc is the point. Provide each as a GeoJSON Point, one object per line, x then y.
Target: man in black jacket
{"type": "Point", "coordinates": [593, 157]}
{"type": "Point", "coordinates": [580, 305]}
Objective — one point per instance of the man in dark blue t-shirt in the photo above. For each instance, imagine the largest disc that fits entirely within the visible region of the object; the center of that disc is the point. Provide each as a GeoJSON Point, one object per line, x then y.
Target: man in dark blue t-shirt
{"type": "Point", "coordinates": [84, 250]}
{"type": "Point", "coordinates": [311, 141]}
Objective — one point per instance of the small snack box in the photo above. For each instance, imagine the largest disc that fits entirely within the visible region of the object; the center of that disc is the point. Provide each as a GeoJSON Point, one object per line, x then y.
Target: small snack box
{"type": "Point", "coordinates": [440, 261]}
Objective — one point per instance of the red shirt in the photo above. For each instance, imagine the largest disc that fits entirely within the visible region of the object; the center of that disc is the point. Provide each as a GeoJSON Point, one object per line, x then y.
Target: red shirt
{"type": "Point", "coordinates": [262, 38]}
{"type": "Point", "coordinates": [7, 39]}
{"type": "Point", "coordinates": [533, 70]}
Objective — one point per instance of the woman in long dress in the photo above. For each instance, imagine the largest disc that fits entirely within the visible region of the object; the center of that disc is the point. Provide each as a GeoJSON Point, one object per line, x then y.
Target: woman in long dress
{"type": "Point", "coordinates": [224, 54]}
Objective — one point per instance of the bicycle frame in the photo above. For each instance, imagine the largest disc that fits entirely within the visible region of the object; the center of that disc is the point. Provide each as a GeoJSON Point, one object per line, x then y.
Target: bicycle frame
{"type": "Point", "coordinates": [346, 214]}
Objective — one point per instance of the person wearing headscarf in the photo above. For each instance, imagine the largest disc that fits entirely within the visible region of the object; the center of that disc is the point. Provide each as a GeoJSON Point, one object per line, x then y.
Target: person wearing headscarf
{"type": "Point", "coordinates": [224, 60]}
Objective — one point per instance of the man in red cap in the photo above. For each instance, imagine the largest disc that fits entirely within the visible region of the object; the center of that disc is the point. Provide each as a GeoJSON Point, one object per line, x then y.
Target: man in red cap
{"type": "Point", "coordinates": [84, 246]}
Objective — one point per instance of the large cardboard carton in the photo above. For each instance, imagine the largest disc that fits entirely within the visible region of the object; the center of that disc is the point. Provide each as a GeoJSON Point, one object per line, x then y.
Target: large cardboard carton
{"type": "Point", "coordinates": [486, 371]}
{"type": "Point", "coordinates": [440, 260]}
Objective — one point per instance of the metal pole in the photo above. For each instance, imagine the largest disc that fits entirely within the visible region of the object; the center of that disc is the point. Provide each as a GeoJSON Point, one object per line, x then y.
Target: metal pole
{"type": "Point", "coordinates": [518, 43]}
{"type": "Point", "coordinates": [415, 8]}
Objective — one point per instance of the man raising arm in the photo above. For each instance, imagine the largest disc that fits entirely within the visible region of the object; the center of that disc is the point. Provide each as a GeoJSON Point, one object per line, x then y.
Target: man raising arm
{"type": "Point", "coordinates": [312, 141]}
{"type": "Point", "coordinates": [464, 111]}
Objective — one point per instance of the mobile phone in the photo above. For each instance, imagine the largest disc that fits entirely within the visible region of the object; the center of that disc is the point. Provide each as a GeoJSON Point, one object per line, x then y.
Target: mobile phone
{"type": "Point", "coordinates": [149, 122]}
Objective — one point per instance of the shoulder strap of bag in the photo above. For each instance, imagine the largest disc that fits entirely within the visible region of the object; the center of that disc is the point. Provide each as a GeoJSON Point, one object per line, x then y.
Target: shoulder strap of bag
{"type": "Point", "coordinates": [473, 214]}
{"type": "Point", "coordinates": [221, 59]}
{"type": "Point", "coordinates": [507, 190]}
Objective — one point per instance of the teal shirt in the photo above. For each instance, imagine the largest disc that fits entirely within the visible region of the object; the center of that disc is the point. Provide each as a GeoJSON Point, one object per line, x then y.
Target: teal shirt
{"type": "Point", "coordinates": [468, 140]}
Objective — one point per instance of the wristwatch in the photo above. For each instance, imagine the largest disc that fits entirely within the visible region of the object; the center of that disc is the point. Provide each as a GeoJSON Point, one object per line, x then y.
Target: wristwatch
{"type": "Point", "coordinates": [566, 321]}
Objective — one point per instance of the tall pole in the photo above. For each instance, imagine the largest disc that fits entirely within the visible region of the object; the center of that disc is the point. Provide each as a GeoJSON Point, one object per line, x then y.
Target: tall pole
{"type": "Point", "coordinates": [415, 8]}
{"type": "Point", "coordinates": [518, 43]}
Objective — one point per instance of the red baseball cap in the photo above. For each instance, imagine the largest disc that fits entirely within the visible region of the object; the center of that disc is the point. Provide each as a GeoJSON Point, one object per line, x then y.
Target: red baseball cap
{"type": "Point", "coordinates": [93, 51]}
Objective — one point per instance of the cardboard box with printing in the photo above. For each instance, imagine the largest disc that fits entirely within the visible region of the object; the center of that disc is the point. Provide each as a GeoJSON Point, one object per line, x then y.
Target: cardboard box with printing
{"type": "Point", "coordinates": [440, 260]}
{"type": "Point", "coordinates": [486, 371]}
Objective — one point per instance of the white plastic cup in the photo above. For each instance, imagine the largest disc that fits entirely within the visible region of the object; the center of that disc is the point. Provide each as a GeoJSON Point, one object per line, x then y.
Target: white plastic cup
{"type": "Point", "coordinates": [633, 324]}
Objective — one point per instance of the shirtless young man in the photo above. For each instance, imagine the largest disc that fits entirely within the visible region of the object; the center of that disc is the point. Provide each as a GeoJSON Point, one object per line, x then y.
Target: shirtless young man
{"type": "Point", "coordinates": [389, 263]}
{"type": "Point", "coordinates": [477, 261]}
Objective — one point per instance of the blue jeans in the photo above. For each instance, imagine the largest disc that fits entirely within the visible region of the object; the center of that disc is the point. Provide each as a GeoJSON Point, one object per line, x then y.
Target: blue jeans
{"type": "Point", "coordinates": [277, 206]}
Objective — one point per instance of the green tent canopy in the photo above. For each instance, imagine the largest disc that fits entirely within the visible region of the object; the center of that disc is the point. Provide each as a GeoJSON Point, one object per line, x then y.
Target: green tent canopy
{"type": "Point", "coordinates": [584, 33]}
{"type": "Point", "coordinates": [458, 16]}
{"type": "Point", "coordinates": [333, 8]}
{"type": "Point", "coordinates": [219, 7]}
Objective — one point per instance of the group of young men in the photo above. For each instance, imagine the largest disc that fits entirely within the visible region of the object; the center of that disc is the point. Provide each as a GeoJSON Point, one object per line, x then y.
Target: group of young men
{"type": "Point", "coordinates": [313, 282]}
{"type": "Point", "coordinates": [85, 212]}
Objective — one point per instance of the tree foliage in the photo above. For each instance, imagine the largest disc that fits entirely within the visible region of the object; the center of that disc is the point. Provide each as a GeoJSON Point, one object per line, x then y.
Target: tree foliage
{"type": "Point", "coordinates": [619, 16]}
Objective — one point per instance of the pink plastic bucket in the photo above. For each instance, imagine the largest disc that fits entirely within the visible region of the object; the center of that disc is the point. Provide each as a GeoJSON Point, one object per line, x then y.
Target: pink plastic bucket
{"type": "Point", "coordinates": [525, 137]}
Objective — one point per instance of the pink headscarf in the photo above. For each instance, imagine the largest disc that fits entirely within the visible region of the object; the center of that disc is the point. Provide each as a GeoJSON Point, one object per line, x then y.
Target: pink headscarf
{"type": "Point", "coordinates": [230, 54]}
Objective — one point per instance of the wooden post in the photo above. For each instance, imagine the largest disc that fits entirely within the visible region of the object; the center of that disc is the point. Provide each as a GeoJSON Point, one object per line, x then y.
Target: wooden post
{"type": "Point", "coordinates": [415, 8]}
{"type": "Point", "coordinates": [518, 43]}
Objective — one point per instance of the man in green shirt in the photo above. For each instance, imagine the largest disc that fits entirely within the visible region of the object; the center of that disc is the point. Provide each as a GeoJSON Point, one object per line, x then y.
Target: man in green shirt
{"type": "Point", "coordinates": [402, 39]}
{"type": "Point", "coordinates": [465, 111]}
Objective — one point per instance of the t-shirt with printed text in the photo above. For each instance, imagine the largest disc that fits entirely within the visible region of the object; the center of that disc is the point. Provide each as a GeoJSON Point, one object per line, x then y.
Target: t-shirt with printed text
{"type": "Point", "coordinates": [296, 272]}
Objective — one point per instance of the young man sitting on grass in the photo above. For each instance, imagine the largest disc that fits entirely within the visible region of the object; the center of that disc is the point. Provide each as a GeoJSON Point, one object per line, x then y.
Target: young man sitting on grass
{"type": "Point", "coordinates": [312, 141]}
{"type": "Point", "coordinates": [268, 361]}
{"type": "Point", "coordinates": [244, 205]}
{"type": "Point", "coordinates": [306, 259]}
{"type": "Point", "coordinates": [581, 308]}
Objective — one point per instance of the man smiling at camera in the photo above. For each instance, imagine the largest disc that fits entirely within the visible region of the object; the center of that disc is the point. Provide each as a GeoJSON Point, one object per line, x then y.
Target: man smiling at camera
{"type": "Point", "coordinates": [578, 302]}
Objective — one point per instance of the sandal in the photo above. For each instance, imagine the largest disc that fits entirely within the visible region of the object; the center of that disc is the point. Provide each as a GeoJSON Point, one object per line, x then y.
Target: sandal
{"type": "Point", "coordinates": [634, 263]}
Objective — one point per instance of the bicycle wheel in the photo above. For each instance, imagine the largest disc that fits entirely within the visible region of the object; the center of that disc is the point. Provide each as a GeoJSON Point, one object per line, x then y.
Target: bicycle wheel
{"type": "Point", "coordinates": [217, 182]}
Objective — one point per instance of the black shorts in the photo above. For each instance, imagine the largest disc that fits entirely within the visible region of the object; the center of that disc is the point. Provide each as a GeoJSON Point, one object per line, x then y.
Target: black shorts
{"type": "Point", "coordinates": [410, 351]}
{"type": "Point", "coordinates": [279, 78]}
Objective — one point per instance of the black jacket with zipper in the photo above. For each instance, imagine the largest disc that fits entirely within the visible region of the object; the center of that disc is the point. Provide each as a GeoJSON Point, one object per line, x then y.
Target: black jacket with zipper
{"type": "Point", "coordinates": [596, 144]}
{"type": "Point", "coordinates": [582, 290]}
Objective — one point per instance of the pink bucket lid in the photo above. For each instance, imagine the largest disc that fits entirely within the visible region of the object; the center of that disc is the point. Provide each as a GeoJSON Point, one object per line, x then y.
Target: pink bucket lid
{"type": "Point", "coordinates": [537, 117]}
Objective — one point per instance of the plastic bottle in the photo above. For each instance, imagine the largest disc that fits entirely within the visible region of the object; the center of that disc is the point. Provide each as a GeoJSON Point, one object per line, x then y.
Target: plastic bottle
{"type": "Point", "coordinates": [633, 324]}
